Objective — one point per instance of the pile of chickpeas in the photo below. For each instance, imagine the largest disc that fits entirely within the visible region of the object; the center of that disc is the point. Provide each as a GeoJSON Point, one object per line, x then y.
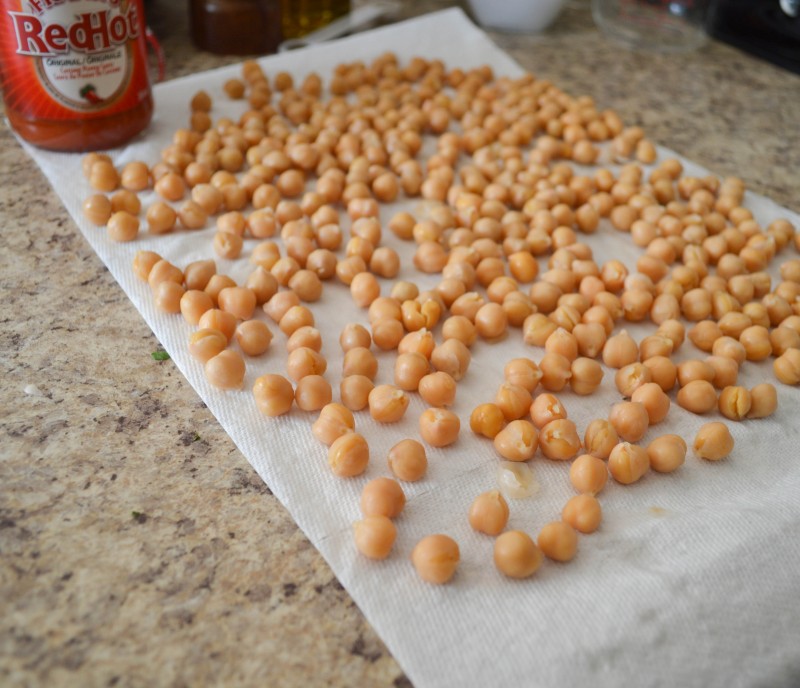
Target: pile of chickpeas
{"type": "Point", "coordinates": [509, 188]}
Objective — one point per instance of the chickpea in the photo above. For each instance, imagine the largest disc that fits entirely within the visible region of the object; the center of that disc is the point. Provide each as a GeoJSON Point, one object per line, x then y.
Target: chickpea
{"type": "Point", "coordinates": [756, 342]}
{"type": "Point", "coordinates": [787, 367]}
{"type": "Point", "coordinates": [122, 226]}
{"type": "Point", "coordinates": [207, 343]}
{"type": "Point", "coordinates": [305, 361]}
{"type": "Point", "coordinates": [382, 497]}
{"type": "Point", "coordinates": [630, 419]}
{"type": "Point", "coordinates": [253, 337]}
{"type": "Point", "coordinates": [375, 536]}
{"type": "Point", "coordinates": [225, 370]}
{"type": "Point", "coordinates": [734, 402]}
{"type": "Point", "coordinates": [586, 376]}
{"type": "Point", "coordinates": [583, 513]}
{"type": "Point", "coordinates": [387, 333]}
{"type": "Point", "coordinates": [763, 400]}
{"type": "Point", "coordinates": [219, 320]}
{"type": "Point", "coordinates": [620, 350]}
{"type": "Point", "coordinates": [360, 361]}
{"type": "Point", "coordinates": [452, 357]}
{"type": "Point", "coordinates": [590, 337]}
{"type": "Point", "coordinates": [407, 460]}
{"type": "Point", "coordinates": [600, 438]}
{"type": "Point", "coordinates": [666, 453]}
{"type": "Point", "coordinates": [354, 335]}
{"type": "Point", "coordinates": [784, 338]}
{"type": "Point", "coordinates": [693, 369]}
{"type": "Point", "coordinates": [559, 439]}
{"type": "Point", "coordinates": [556, 371]}
{"type": "Point", "coordinates": [239, 301]}
{"type": "Point", "coordinates": [713, 441]}
{"type": "Point", "coordinates": [103, 176]}
{"type": "Point", "coordinates": [588, 474]}
{"type": "Point", "coordinates": [307, 336]}
{"type": "Point", "coordinates": [489, 513]}
{"type": "Point", "coordinates": [143, 263]}
{"type": "Point", "coordinates": [491, 322]}
{"type": "Point", "coordinates": [348, 455]}
{"type": "Point", "coordinates": [558, 541]}
{"type": "Point", "coordinates": [436, 558]}
{"type": "Point", "coordinates": [517, 441]}
{"type": "Point", "coordinates": [487, 420]}
{"type": "Point", "coordinates": [437, 389]}
{"type": "Point", "coordinates": [439, 427]}
{"type": "Point", "coordinates": [312, 393]}
{"type": "Point", "coordinates": [334, 420]}
{"type": "Point", "coordinates": [726, 371]}
{"type": "Point", "coordinates": [168, 296]}
{"type": "Point", "coordinates": [354, 391]}
{"type": "Point", "coordinates": [514, 401]}
{"type": "Point", "coordinates": [387, 404]}
{"type": "Point", "coordinates": [97, 209]}
{"type": "Point", "coordinates": [516, 555]}
{"type": "Point", "coordinates": [522, 372]}
{"type": "Point", "coordinates": [628, 463]}
{"type": "Point", "coordinates": [698, 396]}
{"type": "Point", "coordinates": [654, 400]}
{"type": "Point", "coordinates": [280, 304]}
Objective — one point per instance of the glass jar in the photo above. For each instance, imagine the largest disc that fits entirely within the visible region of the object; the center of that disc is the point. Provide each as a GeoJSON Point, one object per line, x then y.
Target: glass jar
{"type": "Point", "coordinates": [653, 25]}
{"type": "Point", "coordinates": [74, 75]}
{"type": "Point", "coordinates": [236, 27]}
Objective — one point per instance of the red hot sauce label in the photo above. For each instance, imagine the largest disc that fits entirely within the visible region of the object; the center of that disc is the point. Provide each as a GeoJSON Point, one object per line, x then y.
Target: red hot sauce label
{"type": "Point", "coordinates": [63, 59]}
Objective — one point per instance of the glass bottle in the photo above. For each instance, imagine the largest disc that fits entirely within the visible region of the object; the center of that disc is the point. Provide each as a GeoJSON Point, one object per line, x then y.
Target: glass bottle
{"type": "Point", "coordinates": [653, 25]}
{"type": "Point", "coordinates": [301, 17]}
{"type": "Point", "coordinates": [236, 27]}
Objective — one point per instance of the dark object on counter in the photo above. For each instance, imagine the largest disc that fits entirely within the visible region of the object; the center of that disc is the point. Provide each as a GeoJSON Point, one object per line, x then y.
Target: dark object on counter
{"type": "Point", "coordinates": [301, 17]}
{"type": "Point", "coordinates": [236, 27]}
{"type": "Point", "coordinates": [767, 28]}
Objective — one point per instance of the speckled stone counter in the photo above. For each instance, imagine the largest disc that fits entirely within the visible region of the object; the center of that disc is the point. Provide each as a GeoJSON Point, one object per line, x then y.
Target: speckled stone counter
{"type": "Point", "coordinates": [137, 546]}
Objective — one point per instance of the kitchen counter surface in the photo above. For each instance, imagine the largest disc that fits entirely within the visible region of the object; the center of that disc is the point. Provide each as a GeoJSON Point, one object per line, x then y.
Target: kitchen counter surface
{"type": "Point", "coordinates": [137, 545]}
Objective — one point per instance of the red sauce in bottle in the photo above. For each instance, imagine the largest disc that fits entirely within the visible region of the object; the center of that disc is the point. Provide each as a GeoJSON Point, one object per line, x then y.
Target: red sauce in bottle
{"type": "Point", "coordinates": [74, 72]}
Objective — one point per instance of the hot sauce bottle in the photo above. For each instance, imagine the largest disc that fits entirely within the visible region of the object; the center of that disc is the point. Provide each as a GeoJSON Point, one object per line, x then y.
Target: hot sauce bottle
{"type": "Point", "coordinates": [74, 72]}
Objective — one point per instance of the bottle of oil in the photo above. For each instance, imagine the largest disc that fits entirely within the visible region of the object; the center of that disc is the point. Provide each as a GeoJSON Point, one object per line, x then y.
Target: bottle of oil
{"type": "Point", "coordinates": [301, 17]}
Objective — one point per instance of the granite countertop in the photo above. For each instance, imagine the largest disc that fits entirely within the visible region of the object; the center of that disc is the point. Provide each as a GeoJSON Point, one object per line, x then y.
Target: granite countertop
{"type": "Point", "coordinates": [137, 545]}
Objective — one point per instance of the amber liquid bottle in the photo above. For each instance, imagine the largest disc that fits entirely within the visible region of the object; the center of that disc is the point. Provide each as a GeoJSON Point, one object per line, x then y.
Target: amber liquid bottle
{"type": "Point", "coordinates": [301, 17]}
{"type": "Point", "coordinates": [236, 27]}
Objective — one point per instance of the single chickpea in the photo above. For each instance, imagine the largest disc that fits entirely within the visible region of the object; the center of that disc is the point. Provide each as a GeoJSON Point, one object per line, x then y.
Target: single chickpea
{"type": "Point", "coordinates": [360, 361]}
{"type": "Point", "coordinates": [734, 402]}
{"type": "Point", "coordinates": [312, 393]}
{"type": "Point", "coordinates": [699, 396]}
{"type": "Point", "coordinates": [354, 335]}
{"type": "Point", "coordinates": [726, 371]}
{"type": "Point", "coordinates": [437, 389]}
{"type": "Point", "coordinates": [517, 441]}
{"type": "Point", "coordinates": [387, 404]}
{"type": "Point", "coordinates": [407, 460]}
{"type": "Point", "coordinates": [666, 453]}
{"type": "Point", "coordinates": [632, 376]}
{"type": "Point", "coordinates": [516, 555]}
{"type": "Point", "coordinates": [168, 296]}
{"type": "Point", "coordinates": [713, 441]}
{"type": "Point", "coordinates": [354, 391]}
{"type": "Point", "coordinates": [207, 343]}
{"type": "Point", "coordinates": [452, 357]}
{"type": "Point", "coordinates": [588, 474]}
{"type": "Point", "coordinates": [387, 333]}
{"type": "Point", "coordinates": [439, 427]}
{"type": "Point", "coordinates": [334, 420]}
{"type": "Point", "coordinates": [559, 439]}
{"type": "Point", "coordinates": [556, 371]}
{"type": "Point", "coordinates": [523, 372]}
{"type": "Point", "coordinates": [280, 304]}
{"type": "Point", "coordinates": [763, 400]}
{"type": "Point", "coordinates": [663, 371]}
{"type": "Point", "coordinates": [694, 369]}
{"type": "Point", "coordinates": [620, 350]}
{"type": "Point", "coordinates": [436, 558]}
{"type": "Point", "coordinates": [273, 394]}
{"type": "Point", "coordinates": [143, 263]}
{"type": "Point", "coordinates": [787, 367]}
{"type": "Point", "coordinates": [558, 541]}
{"type": "Point", "coordinates": [239, 301]}
{"type": "Point", "coordinates": [382, 497]}
{"type": "Point", "coordinates": [654, 400]}
{"type": "Point", "coordinates": [307, 336]}
{"type": "Point", "coordinates": [97, 209]}
{"type": "Point", "coordinates": [305, 361]}
{"type": "Point", "coordinates": [374, 536]}
{"type": "Point", "coordinates": [489, 513]}
{"type": "Point", "coordinates": [348, 455]}
{"type": "Point", "coordinates": [409, 369]}
{"type": "Point", "coordinates": [491, 322]}
{"type": "Point", "coordinates": [253, 337]}
{"type": "Point", "coordinates": [122, 226]}
{"type": "Point", "coordinates": [586, 376]}
{"type": "Point", "coordinates": [630, 419]}
{"type": "Point", "coordinates": [591, 338]}
{"type": "Point", "coordinates": [218, 320]}
{"type": "Point", "coordinates": [545, 408]}
{"type": "Point", "coordinates": [487, 420]}
{"type": "Point", "coordinates": [756, 342]}
{"type": "Point", "coordinates": [600, 438]}
{"type": "Point", "coordinates": [628, 463]}
{"type": "Point", "coordinates": [514, 401]}
{"type": "Point", "coordinates": [225, 370]}
{"type": "Point", "coordinates": [583, 513]}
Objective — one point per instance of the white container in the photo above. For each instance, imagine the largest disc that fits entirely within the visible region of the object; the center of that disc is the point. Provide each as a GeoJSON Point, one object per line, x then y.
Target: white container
{"type": "Point", "coordinates": [516, 16]}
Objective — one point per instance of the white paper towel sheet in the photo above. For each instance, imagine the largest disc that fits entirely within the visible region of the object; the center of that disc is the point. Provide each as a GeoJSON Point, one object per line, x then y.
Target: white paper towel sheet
{"type": "Point", "coordinates": [693, 578]}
